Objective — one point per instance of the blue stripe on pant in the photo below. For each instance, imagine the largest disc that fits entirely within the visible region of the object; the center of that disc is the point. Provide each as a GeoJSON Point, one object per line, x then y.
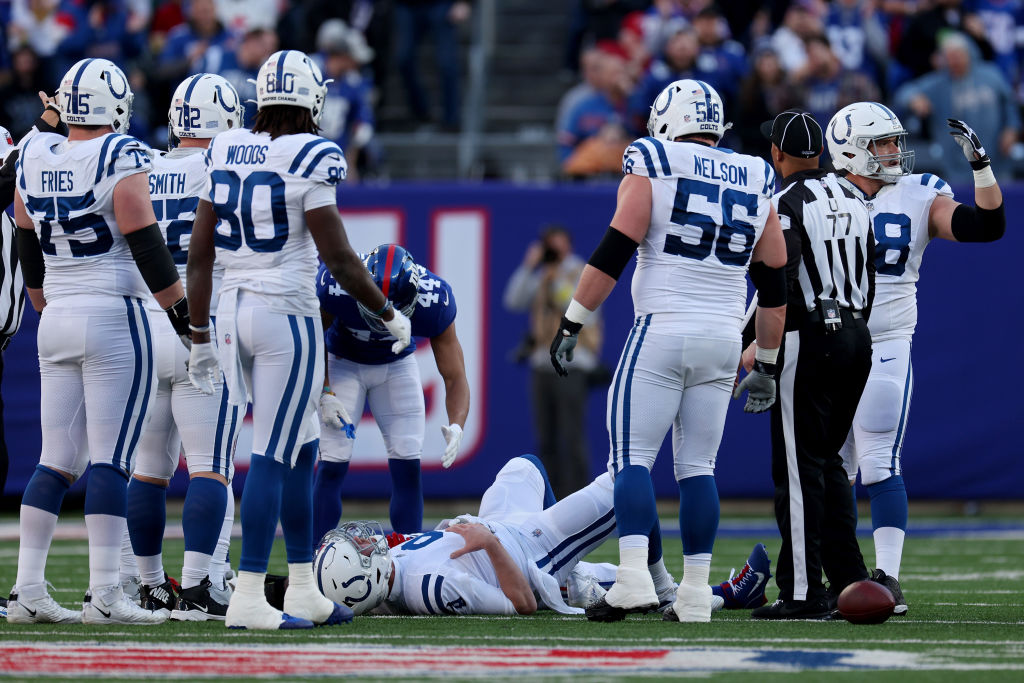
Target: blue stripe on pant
{"type": "Point", "coordinates": [288, 415]}
{"type": "Point", "coordinates": [141, 387]}
{"type": "Point", "coordinates": [620, 434]}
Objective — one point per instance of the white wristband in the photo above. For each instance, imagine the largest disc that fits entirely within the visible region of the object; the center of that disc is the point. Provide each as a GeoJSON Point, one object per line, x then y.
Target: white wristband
{"type": "Point", "coordinates": [766, 355]}
{"type": "Point", "coordinates": [577, 312]}
{"type": "Point", "coordinates": [984, 178]}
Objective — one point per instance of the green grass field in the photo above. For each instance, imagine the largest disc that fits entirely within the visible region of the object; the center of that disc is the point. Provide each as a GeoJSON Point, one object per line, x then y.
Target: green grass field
{"type": "Point", "coordinates": [966, 622]}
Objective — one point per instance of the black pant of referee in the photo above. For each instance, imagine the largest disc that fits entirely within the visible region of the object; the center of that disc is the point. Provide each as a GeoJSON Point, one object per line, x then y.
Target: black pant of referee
{"type": "Point", "coordinates": [820, 383]}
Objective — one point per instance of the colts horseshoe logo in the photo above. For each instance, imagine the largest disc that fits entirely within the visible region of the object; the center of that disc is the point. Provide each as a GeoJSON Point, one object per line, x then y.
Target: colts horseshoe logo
{"type": "Point", "coordinates": [849, 130]}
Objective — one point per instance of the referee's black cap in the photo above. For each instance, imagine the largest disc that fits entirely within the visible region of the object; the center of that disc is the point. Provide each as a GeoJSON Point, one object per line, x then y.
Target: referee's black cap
{"type": "Point", "coordinates": [796, 133]}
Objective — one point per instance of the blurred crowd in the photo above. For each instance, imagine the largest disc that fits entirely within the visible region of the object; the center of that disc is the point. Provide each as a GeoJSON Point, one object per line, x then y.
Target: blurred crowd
{"type": "Point", "coordinates": [161, 42]}
{"type": "Point", "coordinates": [927, 59]}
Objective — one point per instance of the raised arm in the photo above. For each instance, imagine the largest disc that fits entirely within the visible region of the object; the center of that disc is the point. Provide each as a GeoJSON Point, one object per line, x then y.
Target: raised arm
{"type": "Point", "coordinates": [452, 366]}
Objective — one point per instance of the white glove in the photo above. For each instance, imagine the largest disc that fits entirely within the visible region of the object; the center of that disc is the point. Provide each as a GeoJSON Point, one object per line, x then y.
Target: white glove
{"type": "Point", "coordinates": [202, 367]}
{"type": "Point", "coordinates": [452, 437]}
{"type": "Point", "coordinates": [400, 328]}
{"type": "Point", "coordinates": [332, 412]}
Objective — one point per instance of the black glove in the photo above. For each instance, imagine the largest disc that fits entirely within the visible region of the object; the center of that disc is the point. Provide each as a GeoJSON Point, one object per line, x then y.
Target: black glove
{"type": "Point", "coordinates": [969, 143]}
{"type": "Point", "coordinates": [760, 382]}
{"type": "Point", "coordinates": [178, 313]}
{"type": "Point", "coordinates": [563, 344]}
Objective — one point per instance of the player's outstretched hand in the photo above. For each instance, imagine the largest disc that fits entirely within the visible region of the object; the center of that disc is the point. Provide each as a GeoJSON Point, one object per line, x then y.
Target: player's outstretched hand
{"type": "Point", "coordinates": [760, 385]}
{"type": "Point", "coordinates": [477, 537]}
{"type": "Point", "coordinates": [564, 344]}
{"type": "Point", "coordinates": [203, 367]}
{"type": "Point", "coordinates": [333, 414]}
{"type": "Point", "coordinates": [401, 329]}
{"type": "Point", "coordinates": [970, 143]}
{"type": "Point", "coordinates": [452, 438]}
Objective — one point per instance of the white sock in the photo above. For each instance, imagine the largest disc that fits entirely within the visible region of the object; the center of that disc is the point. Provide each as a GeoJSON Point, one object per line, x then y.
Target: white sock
{"type": "Point", "coordinates": [250, 585]}
{"type": "Point", "coordinates": [889, 549]}
{"type": "Point", "coordinates": [129, 565]}
{"type": "Point", "coordinates": [195, 568]}
{"type": "Point", "coordinates": [633, 551]}
{"type": "Point", "coordinates": [151, 569]}
{"type": "Point", "coordinates": [662, 579]}
{"type": "Point", "coordinates": [300, 575]}
{"type": "Point", "coordinates": [696, 569]}
{"type": "Point", "coordinates": [219, 564]}
{"type": "Point", "coordinates": [105, 535]}
{"type": "Point", "coordinates": [35, 529]}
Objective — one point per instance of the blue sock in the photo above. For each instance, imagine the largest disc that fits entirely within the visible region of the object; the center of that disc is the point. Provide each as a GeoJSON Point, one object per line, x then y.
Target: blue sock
{"type": "Point", "coordinates": [147, 516]}
{"type": "Point", "coordinates": [205, 500]}
{"type": "Point", "coordinates": [549, 493]}
{"type": "Point", "coordinates": [261, 508]}
{"type": "Point", "coordinates": [45, 490]}
{"type": "Point", "coordinates": [635, 507]}
{"type": "Point", "coordinates": [698, 514]}
{"type": "Point", "coordinates": [406, 496]}
{"type": "Point", "coordinates": [654, 550]}
{"type": "Point", "coordinates": [888, 503]}
{"type": "Point", "coordinates": [106, 491]}
{"type": "Point", "coordinates": [327, 496]}
{"type": "Point", "coordinates": [297, 506]}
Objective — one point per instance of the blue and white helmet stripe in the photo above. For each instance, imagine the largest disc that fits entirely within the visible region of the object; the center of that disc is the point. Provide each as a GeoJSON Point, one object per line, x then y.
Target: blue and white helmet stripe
{"type": "Point", "coordinates": [291, 78]}
{"type": "Point", "coordinates": [851, 136]}
{"type": "Point", "coordinates": [204, 105]}
{"type": "Point", "coordinates": [95, 92]}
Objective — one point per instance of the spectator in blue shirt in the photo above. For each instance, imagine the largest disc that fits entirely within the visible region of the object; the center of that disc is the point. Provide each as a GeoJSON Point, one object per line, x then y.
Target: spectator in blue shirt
{"type": "Point", "coordinates": [725, 58]}
{"type": "Point", "coordinates": [348, 110]}
{"type": "Point", "coordinates": [1002, 19]}
{"type": "Point", "coordinates": [594, 132]}
{"type": "Point", "coordinates": [823, 86]}
{"type": "Point", "coordinates": [966, 89]}
{"type": "Point", "coordinates": [187, 43]}
{"type": "Point", "coordinates": [857, 36]}
{"type": "Point", "coordinates": [240, 65]}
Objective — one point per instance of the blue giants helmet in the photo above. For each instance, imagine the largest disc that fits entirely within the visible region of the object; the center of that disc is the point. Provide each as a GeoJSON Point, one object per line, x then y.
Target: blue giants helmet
{"type": "Point", "coordinates": [396, 273]}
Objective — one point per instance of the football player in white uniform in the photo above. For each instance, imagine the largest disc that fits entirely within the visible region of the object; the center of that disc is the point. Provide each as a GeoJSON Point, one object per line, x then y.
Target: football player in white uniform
{"type": "Point", "coordinates": [269, 204]}
{"type": "Point", "coordinates": [84, 209]}
{"type": "Point", "coordinates": [867, 140]}
{"type": "Point", "coordinates": [699, 215]}
{"type": "Point", "coordinates": [184, 418]}
{"type": "Point", "coordinates": [531, 548]}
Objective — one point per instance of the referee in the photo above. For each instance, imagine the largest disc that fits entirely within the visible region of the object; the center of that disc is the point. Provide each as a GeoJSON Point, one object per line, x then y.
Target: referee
{"type": "Point", "coordinates": [822, 369]}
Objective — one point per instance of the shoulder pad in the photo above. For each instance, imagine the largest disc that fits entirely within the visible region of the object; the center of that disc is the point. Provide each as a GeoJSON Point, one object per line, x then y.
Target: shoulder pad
{"type": "Point", "coordinates": [935, 183]}
{"type": "Point", "coordinates": [646, 157]}
{"type": "Point", "coordinates": [320, 160]}
{"type": "Point", "coordinates": [122, 153]}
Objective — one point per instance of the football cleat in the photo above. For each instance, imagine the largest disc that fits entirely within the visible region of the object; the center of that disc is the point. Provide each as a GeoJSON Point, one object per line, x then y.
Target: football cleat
{"type": "Point", "coordinates": [38, 609]}
{"type": "Point", "coordinates": [879, 576]}
{"type": "Point", "coordinates": [693, 603]}
{"type": "Point", "coordinates": [632, 592]}
{"type": "Point", "coordinates": [307, 603]}
{"type": "Point", "coordinates": [818, 610]}
{"type": "Point", "coordinates": [198, 604]}
{"type": "Point", "coordinates": [746, 589]}
{"type": "Point", "coordinates": [132, 587]}
{"type": "Point", "coordinates": [3, 608]}
{"type": "Point", "coordinates": [160, 598]}
{"type": "Point", "coordinates": [256, 613]}
{"type": "Point", "coordinates": [109, 605]}
{"type": "Point", "coordinates": [583, 590]}
{"type": "Point", "coordinates": [666, 597]}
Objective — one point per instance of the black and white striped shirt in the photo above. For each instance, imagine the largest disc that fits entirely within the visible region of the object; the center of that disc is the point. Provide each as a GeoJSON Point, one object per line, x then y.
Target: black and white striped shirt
{"type": "Point", "coordinates": [12, 286]}
{"type": "Point", "coordinates": [829, 243]}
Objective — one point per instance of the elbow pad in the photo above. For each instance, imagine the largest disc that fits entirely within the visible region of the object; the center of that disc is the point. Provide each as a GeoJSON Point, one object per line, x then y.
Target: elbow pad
{"type": "Point", "coordinates": [152, 257]}
{"type": "Point", "coordinates": [770, 284]}
{"type": "Point", "coordinates": [975, 224]}
{"type": "Point", "coordinates": [30, 255]}
{"type": "Point", "coordinates": [613, 253]}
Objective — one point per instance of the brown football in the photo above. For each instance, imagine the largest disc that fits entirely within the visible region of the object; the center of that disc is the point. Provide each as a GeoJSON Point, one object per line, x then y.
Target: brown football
{"type": "Point", "coordinates": [866, 602]}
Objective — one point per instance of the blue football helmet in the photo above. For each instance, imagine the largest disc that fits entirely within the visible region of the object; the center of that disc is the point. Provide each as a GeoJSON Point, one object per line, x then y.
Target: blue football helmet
{"type": "Point", "coordinates": [394, 270]}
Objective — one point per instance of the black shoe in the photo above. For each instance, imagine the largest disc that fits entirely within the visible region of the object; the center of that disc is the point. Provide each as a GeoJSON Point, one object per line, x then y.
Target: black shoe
{"type": "Point", "coordinates": [195, 604]}
{"type": "Point", "coordinates": [794, 609]}
{"type": "Point", "coordinates": [878, 576]}
{"type": "Point", "coordinates": [669, 614]}
{"type": "Point", "coordinates": [156, 598]}
{"type": "Point", "coordinates": [602, 611]}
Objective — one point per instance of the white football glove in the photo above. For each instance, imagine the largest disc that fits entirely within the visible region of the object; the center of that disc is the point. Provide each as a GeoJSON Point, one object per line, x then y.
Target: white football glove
{"type": "Point", "coordinates": [400, 328]}
{"type": "Point", "coordinates": [333, 413]}
{"type": "Point", "coordinates": [452, 437]}
{"type": "Point", "coordinates": [202, 367]}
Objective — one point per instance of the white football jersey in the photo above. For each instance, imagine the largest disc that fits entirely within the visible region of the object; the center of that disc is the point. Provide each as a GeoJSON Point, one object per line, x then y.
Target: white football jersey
{"type": "Point", "coordinates": [260, 190]}
{"type": "Point", "coordinates": [428, 581]}
{"type": "Point", "coordinates": [709, 208]}
{"type": "Point", "coordinates": [899, 220]}
{"type": "Point", "coordinates": [176, 183]}
{"type": "Point", "coordinates": [68, 190]}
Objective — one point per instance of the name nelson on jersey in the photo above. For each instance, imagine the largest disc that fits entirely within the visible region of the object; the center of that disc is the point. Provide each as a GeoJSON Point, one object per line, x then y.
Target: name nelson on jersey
{"type": "Point", "coordinates": [719, 170]}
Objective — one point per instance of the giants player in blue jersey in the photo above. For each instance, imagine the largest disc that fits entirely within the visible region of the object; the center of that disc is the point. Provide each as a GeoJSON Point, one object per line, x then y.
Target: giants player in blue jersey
{"type": "Point", "coordinates": [83, 210]}
{"type": "Point", "coordinates": [867, 140]}
{"type": "Point", "coordinates": [697, 217]}
{"type": "Point", "coordinates": [184, 418]}
{"type": "Point", "coordinates": [270, 203]}
{"type": "Point", "coordinates": [361, 368]}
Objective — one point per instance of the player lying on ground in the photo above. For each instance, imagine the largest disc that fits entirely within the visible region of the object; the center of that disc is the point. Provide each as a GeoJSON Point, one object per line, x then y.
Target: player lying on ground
{"type": "Point", "coordinates": [514, 557]}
